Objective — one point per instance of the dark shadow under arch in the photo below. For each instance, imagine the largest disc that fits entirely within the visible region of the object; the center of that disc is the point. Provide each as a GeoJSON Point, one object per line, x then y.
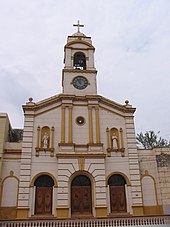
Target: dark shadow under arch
{"type": "Point", "coordinates": [79, 61]}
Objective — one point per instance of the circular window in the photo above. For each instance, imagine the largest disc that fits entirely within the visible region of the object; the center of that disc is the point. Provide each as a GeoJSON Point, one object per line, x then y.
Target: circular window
{"type": "Point", "coordinates": [80, 120]}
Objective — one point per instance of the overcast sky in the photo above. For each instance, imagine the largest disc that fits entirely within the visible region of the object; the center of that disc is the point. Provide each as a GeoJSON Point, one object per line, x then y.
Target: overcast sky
{"type": "Point", "coordinates": [132, 41]}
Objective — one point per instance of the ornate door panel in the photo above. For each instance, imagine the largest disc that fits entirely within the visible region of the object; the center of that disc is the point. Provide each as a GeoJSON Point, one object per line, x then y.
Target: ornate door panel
{"type": "Point", "coordinates": [117, 199]}
{"type": "Point", "coordinates": [39, 201]}
{"type": "Point", "coordinates": [81, 200]}
{"type": "Point", "coordinates": [43, 200]}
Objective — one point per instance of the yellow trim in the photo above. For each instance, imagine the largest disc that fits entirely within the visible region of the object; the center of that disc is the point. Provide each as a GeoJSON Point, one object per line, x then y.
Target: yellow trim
{"type": "Point", "coordinates": [62, 212]}
{"type": "Point", "coordinates": [63, 124]}
{"type": "Point", "coordinates": [22, 212]}
{"type": "Point", "coordinates": [108, 139]}
{"type": "Point", "coordinates": [81, 161]}
{"type": "Point", "coordinates": [78, 41]}
{"type": "Point", "coordinates": [52, 137]}
{"type": "Point", "coordinates": [121, 138]}
{"type": "Point", "coordinates": [120, 173]}
{"type": "Point", "coordinates": [70, 133]}
{"type": "Point", "coordinates": [97, 125]}
{"type": "Point", "coordinates": [146, 174]}
{"type": "Point", "coordinates": [153, 210]}
{"type": "Point", "coordinates": [38, 137]}
{"type": "Point", "coordinates": [79, 71]}
{"type": "Point", "coordinates": [138, 210]}
{"type": "Point", "coordinates": [8, 213]}
{"type": "Point", "coordinates": [81, 155]}
{"type": "Point", "coordinates": [59, 98]}
{"type": "Point", "coordinates": [90, 124]}
{"type": "Point", "coordinates": [101, 211]}
{"type": "Point", "coordinates": [43, 173]}
{"type": "Point", "coordinates": [12, 151]}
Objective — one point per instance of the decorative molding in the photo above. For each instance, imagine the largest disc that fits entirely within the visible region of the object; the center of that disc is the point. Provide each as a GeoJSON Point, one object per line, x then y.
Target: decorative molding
{"type": "Point", "coordinates": [81, 161]}
{"type": "Point", "coordinates": [49, 145]}
{"type": "Point", "coordinates": [58, 98]}
{"type": "Point", "coordinates": [163, 160]}
{"type": "Point", "coordinates": [146, 174]}
{"type": "Point", "coordinates": [81, 71]}
{"type": "Point", "coordinates": [65, 155]}
{"type": "Point", "coordinates": [43, 173]}
{"type": "Point", "coordinates": [90, 46]}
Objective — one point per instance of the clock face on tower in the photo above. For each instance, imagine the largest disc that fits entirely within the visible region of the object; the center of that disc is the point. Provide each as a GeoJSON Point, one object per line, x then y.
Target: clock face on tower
{"type": "Point", "coordinates": [80, 82]}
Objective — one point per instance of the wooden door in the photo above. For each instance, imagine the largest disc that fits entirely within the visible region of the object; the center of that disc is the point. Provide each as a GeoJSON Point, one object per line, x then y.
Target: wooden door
{"type": "Point", "coordinates": [43, 204]}
{"type": "Point", "coordinates": [81, 200]}
{"type": "Point", "coordinates": [117, 199]}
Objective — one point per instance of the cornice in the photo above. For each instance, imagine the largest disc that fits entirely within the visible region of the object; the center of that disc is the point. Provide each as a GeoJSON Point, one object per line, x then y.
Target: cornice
{"type": "Point", "coordinates": [59, 98]}
{"type": "Point", "coordinates": [80, 71]}
{"type": "Point", "coordinates": [12, 151]}
{"type": "Point", "coordinates": [68, 45]}
{"type": "Point", "coordinates": [65, 155]}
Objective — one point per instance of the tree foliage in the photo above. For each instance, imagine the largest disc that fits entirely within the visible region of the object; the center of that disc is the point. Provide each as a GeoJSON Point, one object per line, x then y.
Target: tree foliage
{"type": "Point", "coordinates": [150, 139]}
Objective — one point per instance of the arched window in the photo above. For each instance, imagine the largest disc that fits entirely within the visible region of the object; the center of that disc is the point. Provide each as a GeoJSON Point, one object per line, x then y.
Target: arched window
{"type": "Point", "coordinates": [81, 180]}
{"type": "Point", "coordinates": [116, 180]}
{"type": "Point", "coordinates": [79, 61]}
{"type": "Point", "coordinates": [44, 189]}
{"type": "Point", "coordinates": [44, 181]}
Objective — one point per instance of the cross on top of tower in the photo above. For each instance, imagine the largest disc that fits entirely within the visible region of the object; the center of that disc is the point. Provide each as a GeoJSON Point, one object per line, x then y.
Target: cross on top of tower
{"type": "Point", "coordinates": [78, 25]}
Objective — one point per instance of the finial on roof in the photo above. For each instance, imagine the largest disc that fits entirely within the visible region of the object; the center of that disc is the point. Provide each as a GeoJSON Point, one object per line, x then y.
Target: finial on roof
{"type": "Point", "coordinates": [30, 99]}
{"type": "Point", "coordinates": [78, 25]}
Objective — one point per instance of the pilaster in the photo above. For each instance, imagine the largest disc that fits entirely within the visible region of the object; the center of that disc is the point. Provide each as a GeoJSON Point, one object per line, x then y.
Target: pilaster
{"type": "Point", "coordinates": [63, 124]}
{"type": "Point", "coordinates": [70, 127]}
{"type": "Point", "coordinates": [137, 203]}
{"type": "Point", "coordinates": [90, 125]}
{"type": "Point", "coordinates": [97, 125]}
{"type": "Point", "coordinates": [25, 169]}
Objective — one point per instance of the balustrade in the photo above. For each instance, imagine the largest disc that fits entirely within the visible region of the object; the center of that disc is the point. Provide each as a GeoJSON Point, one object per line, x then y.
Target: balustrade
{"type": "Point", "coordinates": [163, 221]}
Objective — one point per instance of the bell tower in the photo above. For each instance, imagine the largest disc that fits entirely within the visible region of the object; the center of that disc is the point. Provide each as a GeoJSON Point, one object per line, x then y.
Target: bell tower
{"type": "Point", "coordinates": [79, 73]}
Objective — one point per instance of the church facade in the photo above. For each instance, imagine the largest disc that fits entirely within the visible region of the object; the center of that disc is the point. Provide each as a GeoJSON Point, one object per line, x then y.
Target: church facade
{"type": "Point", "coordinates": [77, 156]}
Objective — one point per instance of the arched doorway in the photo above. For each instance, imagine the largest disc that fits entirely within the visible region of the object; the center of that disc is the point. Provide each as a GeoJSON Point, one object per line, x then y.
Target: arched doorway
{"type": "Point", "coordinates": [43, 197]}
{"type": "Point", "coordinates": [81, 199]}
{"type": "Point", "coordinates": [117, 193]}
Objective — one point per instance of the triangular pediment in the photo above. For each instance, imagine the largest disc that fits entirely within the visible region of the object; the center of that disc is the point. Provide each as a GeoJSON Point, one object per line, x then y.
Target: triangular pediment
{"type": "Point", "coordinates": [57, 100]}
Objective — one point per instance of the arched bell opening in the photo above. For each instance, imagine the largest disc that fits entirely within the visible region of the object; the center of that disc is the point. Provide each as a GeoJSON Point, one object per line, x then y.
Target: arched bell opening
{"type": "Point", "coordinates": [43, 197]}
{"type": "Point", "coordinates": [81, 196]}
{"type": "Point", "coordinates": [79, 61]}
{"type": "Point", "coordinates": [117, 192]}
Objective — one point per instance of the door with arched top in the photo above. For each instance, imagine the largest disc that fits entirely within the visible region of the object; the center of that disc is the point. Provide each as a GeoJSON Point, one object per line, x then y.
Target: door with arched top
{"type": "Point", "coordinates": [117, 194]}
{"type": "Point", "coordinates": [81, 201]}
{"type": "Point", "coordinates": [43, 198]}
